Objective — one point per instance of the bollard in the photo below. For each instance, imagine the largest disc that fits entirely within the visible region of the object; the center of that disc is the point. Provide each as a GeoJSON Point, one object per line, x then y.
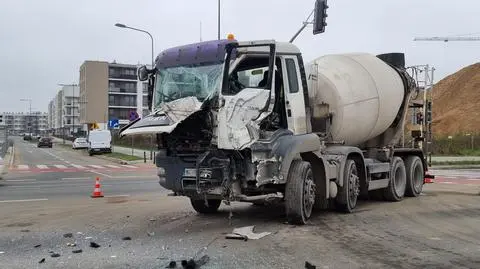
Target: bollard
{"type": "Point", "coordinates": [154, 157]}
{"type": "Point", "coordinates": [144, 157]}
{"type": "Point", "coordinates": [151, 155]}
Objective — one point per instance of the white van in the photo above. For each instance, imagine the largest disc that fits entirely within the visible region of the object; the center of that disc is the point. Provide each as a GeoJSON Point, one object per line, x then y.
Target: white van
{"type": "Point", "coordinates": [99, 141]}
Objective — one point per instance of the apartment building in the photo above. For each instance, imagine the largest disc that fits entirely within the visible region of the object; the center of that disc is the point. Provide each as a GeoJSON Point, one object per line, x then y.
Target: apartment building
{"type": "Point", "coordinates": [20, 123]}
{"type": "Point", "coordinates": [110, 91]}
{"type": "Point", "coordinates": [63, 112]}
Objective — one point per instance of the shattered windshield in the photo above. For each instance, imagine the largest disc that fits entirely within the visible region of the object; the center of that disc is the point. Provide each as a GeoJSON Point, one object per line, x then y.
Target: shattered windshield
{"type": "Point", "coordinates": [189, 80]}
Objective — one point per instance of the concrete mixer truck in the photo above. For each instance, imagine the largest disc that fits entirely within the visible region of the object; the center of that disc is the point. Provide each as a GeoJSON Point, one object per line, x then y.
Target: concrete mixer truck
{"type": "Point", "coordinates": [249, 121]}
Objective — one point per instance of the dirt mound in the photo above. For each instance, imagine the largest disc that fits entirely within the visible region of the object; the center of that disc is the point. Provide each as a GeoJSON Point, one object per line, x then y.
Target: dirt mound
{"type": "Point", "coordinates": [456, 102]}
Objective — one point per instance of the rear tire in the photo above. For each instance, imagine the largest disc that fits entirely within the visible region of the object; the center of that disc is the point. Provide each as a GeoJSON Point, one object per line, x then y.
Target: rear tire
{"type": "Point", "coordinates": [415, 176]}
{"type": "Point", "coordinates": [211, 206]}
{"type": "Point", "coordinates": [398, 181]}
{"type": "Point", "coordinates": [348, 194]}
{"type": "Point", "coordinates": [299, 192]}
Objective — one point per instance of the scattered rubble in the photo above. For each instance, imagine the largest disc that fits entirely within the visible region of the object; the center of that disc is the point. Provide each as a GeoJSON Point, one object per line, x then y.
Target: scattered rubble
{"type": "Point", "coordinates": [42, 260]}
{"type": "Point", "coordinates": [150, 233]}
{"type": "Point", "coordinates": [77, 251]}
{"type": "Point", "coordinates": [25, 231]}
{"type": "Point", "coordinates": [68, 235]}
{"type": "Point", "coordinates": [309, 266]}
{"type": "Point", "coordinates": [127, 238]}
{"type": "Point", "coordinates": [37, 246]}
{"type": "Point", "coordinates": [71, 244]}
{"type": "Point", "coordinates": [94, 245]}
{"type": "Point", "coordinates": [54, 255]}
{"type": "Point", "coordinates": [245, 233]}
{"type": "Point", "coordinates": [172, 264]}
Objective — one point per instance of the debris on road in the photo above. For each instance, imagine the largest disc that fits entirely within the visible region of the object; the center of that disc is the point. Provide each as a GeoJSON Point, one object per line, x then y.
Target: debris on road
{"type": "Point", "coordinates": [68, 235]}
{"type": "Point", "coordinates": [37, 246]}
{"type": "Point", "coordinates": [25, 231]}
{"type": "Point", "coordinates": [150, 233]}
{"type": "Point", "coordinates": [246, 233]}
{"type": "Point", "coordinates": [127, 238]}
{"type": "Point", "coordinates": [152, 219]}
{"type": "Point", "coordinates": [94, 245]}
{"type": "Point", "coordinates": [42, 260]}
{"type": "Point", "coordinates": [54, 255]}
{"type": "Point", "coordinates": [1, 252]}
{"type": "Point", "coordinates": [309, 266]}
{"type": "Point", "coordinates": [113, 256]}
{"type": "Point", "coordinates": [79, 233]}
{"type": "Point", "coordinates": [88, 237]}
{"type": "Point", "coordinates": [77, 251]}
{"type": "Point", "coordinates": [172, 264]}
{"type": "Point", "coordinates": [71, 244]}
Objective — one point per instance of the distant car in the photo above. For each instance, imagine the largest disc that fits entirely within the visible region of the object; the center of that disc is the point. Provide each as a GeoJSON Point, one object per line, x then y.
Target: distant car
{"type": "Point", "coordinates": [45, 142]}
{"type": "Point", "coordinates": [80, 143]}
{"type": "Point", "coordinates": [27, 137]}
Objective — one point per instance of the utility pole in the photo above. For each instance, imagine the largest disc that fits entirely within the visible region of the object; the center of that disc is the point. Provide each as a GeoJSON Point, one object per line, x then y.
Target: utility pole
{"type": "Point", "coordinates": [218, 21]}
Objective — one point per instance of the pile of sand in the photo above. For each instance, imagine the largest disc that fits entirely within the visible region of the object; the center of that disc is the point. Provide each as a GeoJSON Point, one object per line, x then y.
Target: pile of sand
{"type": "Point", "coordinates": [456, 103]}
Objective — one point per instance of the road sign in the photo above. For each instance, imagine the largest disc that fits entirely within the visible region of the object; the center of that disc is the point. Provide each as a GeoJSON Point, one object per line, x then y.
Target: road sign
{"type": "Point", "coordinates": [133, 115]}
{"type": "Point", "coordinates": [113, 124]}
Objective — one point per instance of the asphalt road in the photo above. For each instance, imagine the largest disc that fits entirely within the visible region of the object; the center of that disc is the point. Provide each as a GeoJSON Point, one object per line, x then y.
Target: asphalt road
{"type": "Point", "coordinates": [439, 229]}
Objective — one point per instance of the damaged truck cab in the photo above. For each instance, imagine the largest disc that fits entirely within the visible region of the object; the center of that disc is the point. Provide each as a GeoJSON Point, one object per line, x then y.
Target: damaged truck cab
{"type": "Point", "coordinates": [248, 121]}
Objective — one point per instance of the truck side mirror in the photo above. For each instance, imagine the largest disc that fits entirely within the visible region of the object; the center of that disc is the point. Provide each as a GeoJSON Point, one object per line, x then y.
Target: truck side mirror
{"type": "Point", "coordinates": [320, 16]}
{"type": "Point", "coordinates": [142, 73]}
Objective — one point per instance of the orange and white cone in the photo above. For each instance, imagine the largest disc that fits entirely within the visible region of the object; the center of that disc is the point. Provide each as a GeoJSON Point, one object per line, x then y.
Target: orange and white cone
{"type": "Point", "coordinates": [97, 193]}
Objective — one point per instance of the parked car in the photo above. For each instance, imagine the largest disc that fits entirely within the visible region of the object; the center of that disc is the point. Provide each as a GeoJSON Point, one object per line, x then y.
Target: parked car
{"type": "Point", "coordinates": [45, 142]}
{"type": "Point", "coordinates": [99, 141]}
{"type": "Point", "coordinates": [80, 143]}
{"type": "Point", "coordinates": [27, 137]}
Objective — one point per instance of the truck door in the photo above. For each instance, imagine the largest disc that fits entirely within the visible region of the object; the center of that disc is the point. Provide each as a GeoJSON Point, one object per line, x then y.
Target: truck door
{"type": "Point", "coordinates": [294, 95]}
{"type": "Point", "coordinates": [246, 98]}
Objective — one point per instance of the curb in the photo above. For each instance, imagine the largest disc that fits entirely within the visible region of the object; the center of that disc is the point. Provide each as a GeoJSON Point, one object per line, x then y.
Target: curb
{"type": "Point", "coordinates": [115, 160]}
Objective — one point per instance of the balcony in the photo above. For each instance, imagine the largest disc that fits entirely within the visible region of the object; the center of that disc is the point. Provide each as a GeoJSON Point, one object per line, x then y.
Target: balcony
{"type": "Point", "coordinates": [122, 76]}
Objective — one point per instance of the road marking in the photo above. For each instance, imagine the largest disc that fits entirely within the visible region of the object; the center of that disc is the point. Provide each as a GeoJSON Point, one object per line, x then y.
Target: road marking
{"type": "Point", "coordinates": [129, 166]}
{"type": "Point", "coordinates": [22, 166]}
{"type": "Point", "coordinates": [96, 166]}
{"type": "Point", "coordinates": [119, 195]}
{"type": "Point", "coordinates": [60, 166]}
{"type": "Point", "coordinates": [112, 166]}
{"type": "Point", "coordinates": [473, 178]}
{"type": "Point", "coordinates": [27, 200]}
{"type": "Point", "coordinates": [102, 174]}
{"type": "Point", "coordinates": [20, 180]}
{"type": "Point", "coordinates": [447, 182]}
{"type": "Point", "coordinates": [41, 166]}
{"type": "Point", "coordinates": [74, 178]}
{"type": "Point", "coordinates": [78, 166]}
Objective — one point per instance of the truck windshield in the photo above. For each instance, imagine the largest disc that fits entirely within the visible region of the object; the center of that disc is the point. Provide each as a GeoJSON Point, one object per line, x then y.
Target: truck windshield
{"type": "Point", "coordinates": [199, 80]}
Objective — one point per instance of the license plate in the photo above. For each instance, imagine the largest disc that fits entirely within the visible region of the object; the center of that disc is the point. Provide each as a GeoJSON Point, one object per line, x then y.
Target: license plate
{"type": "Point", "coordinates": [190, 172]}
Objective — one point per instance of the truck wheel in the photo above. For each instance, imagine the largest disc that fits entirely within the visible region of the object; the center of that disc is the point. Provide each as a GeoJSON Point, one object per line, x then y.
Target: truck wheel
{"type": "Point", "coordinates": [299, 192]}
{"type": "Point", "coordinates": [208, 207]}
{"type": "Point", "coordinates": [348, 194]}
{"type": "Point", "coordinates": [415, 176]}
{"type": "Point", "coordinates": [398, 181]}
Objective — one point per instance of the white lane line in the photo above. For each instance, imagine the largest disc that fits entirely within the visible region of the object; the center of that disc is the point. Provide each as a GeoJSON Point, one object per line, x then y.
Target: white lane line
{"type": "Point", "coordinates": [75, 178]}
{"type": "Point", "coordinates": [473, 179]}
{"type": "Point", "coordinates": [96, 166]}
{"type": "Point", "coordinates": [26, 200]}
{"type": "Point", "coordinates": [446, 182]}
{"type": "Point", "coordinates": [41, 166]}
{"type": "Point", "coordinates": [112, 166]}
{"type": "Point", "coordinates": [78, 166]}
{"type": "Point", "coordinates": [129, 166]}
{"type": "Point", "coordinates": [22, 166]}
{"type": "Point", "coordinates": [119, 195]}
{"type": "Point", "coordinates": [102, 174]}
{"type": "Point", "coordinates": [60, 166]}
{"type": "Point", "coordinates": [21, 180]}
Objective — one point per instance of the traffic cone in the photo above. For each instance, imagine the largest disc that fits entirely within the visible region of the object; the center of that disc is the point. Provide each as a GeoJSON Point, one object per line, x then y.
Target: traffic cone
{"type": "Point", "coordinates": [428, 178]}
{"type": "Point", "coordinates": [97, 193]}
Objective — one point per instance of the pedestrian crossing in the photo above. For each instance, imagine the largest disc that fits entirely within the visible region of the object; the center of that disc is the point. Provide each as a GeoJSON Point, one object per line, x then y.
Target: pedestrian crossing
{"type": "Point", "coordinates": [76, 167]}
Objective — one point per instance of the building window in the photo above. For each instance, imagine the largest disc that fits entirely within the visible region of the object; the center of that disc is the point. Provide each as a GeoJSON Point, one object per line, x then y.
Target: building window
{"type": "Point", "coordinates": [292, 75]}
{"type": "Point", "coordinates": [145, 101]}
{"type": "Point", "coordinates": [122, 100]}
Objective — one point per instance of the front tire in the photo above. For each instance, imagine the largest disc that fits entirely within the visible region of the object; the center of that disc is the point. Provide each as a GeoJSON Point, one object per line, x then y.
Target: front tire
{"type": "Point", "coordinates": [209, 206]}
{"type": "Point", "coordinates": [299, 192]}
{"type": "Point", "coordinates": [415, 176]}
{"type": "Point", "coordinates": [398, 181]}
{"type": "Point", "coordinates": [348, 194]}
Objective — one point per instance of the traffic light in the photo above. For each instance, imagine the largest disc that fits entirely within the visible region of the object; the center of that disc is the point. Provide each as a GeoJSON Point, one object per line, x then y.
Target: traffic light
{"type": "Point", "coordinates": [429, 111]}
{"type": "Point", "coordinates": [320, 16]}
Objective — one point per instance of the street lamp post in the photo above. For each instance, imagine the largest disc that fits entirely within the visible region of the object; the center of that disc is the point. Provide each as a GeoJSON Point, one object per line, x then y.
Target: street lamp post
{"type": "Point", "coordinates": [29, 113]}
{"type": "Point", "coordinates": [120, 25]}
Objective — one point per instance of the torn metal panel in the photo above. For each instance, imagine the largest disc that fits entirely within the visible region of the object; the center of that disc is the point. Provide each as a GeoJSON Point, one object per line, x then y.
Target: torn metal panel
{"type": "Point", "coordinates": [268, 171]}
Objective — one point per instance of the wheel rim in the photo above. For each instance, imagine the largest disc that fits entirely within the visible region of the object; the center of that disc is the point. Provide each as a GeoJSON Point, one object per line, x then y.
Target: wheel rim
{"type": "Point", "coordinates": [353, 185]}
{"type": "Point", "coordinates": [417, 177]}
{"type": "Point", "coordinates": [400, 182]}
{"type": "Point", "coordinates": [308, 194]}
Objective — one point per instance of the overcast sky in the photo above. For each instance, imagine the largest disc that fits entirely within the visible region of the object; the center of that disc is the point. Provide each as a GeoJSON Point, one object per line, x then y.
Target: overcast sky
{"type": "Point", "coordinates": [43, 43]}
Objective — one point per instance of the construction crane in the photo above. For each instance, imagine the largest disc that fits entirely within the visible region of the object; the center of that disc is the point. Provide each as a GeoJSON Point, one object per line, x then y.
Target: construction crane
{"type": "Point", "coordinates": [448, 38]}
